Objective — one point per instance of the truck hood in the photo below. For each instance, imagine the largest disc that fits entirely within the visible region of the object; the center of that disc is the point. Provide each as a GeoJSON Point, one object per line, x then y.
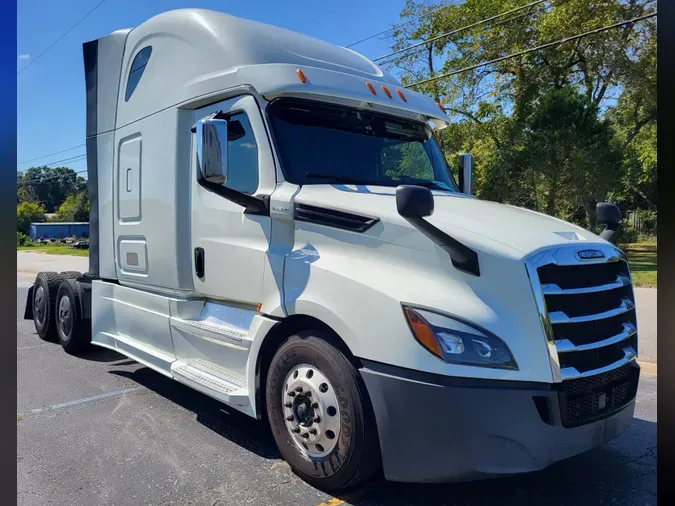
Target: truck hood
{"type": "Point", "coordinates": [480, 224]}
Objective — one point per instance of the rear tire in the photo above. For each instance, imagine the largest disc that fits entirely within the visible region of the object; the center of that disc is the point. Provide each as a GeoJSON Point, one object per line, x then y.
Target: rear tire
{"type": "Point", "coordinates": [71, 274]}
{"type": "Point", "coordinates": [73, 332]}
{"type": "Point", "coordinates": [44, 297]}
{"type": "Point", "coordinates": [332, 447]}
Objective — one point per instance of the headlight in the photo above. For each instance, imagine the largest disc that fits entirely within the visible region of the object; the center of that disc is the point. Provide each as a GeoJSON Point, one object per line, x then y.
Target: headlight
{"type": "Point", "coordinates": [458, 342]}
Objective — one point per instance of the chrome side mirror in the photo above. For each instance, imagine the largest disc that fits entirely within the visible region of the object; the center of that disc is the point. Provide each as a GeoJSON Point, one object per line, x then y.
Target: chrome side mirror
{"type": "Point", "coordinates": [212, 150]}
{"type": "Point", "coordinates": [465, 170]}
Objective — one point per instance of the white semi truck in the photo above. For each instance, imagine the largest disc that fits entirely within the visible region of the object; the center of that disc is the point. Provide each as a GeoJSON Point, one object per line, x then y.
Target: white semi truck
{"type": "Point", "coordinates": [274, 224]}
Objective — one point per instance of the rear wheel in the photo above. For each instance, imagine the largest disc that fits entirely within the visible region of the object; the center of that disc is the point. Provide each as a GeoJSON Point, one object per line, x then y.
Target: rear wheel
{"type": "Point", "coordinates": [44, 297]}
{"type": "Point", "coordinates": [73, 332]}
{"type": "Point", "coordinates": [320, 414]}
{"type": "Point", "coordinates": [71, 274]}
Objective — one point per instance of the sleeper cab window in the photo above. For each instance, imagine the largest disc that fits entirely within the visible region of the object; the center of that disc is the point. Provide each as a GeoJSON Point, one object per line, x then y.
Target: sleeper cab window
{"type": "Point", "coordinates": [242, 155]}
{"type": "Point", "coordinates": [136, 71]}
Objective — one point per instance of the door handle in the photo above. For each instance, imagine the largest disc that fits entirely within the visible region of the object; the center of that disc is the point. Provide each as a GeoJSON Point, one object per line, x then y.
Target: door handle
{"type": "Point", "coordinates": [199, 262]}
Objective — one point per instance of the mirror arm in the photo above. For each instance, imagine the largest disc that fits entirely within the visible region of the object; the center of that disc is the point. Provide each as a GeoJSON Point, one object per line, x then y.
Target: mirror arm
{"type": "Point", "coordinates": [463, 258]}
{"type": "Point", "coordinates": [252, 205]}
{"type": "Point", "coordinates": [610, 231]}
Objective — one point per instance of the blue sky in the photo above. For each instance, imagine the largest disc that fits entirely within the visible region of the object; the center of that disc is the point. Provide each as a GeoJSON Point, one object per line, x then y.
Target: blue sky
{"type": "Point", "coordinates": [51, 92]}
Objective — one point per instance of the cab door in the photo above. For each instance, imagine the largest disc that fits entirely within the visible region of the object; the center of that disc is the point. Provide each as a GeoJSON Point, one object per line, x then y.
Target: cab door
{"type": "Point", "coordinates": [229, 245]}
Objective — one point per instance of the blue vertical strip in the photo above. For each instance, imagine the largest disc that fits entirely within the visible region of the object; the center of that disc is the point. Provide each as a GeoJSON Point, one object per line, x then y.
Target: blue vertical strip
{"type": "Point", "coordinates": [7, 241]}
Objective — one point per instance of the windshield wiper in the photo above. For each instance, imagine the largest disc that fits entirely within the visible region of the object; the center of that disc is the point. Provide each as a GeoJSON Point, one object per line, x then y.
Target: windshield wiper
{"type": "Point", "coordinates": [346, 179]}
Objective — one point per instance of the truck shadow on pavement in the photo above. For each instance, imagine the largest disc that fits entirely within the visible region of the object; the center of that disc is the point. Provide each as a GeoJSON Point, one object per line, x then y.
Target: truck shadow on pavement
{"type": "Point", "coordinates": [237, 427]}
{"type": "Point", "coordinates": [623, 469]}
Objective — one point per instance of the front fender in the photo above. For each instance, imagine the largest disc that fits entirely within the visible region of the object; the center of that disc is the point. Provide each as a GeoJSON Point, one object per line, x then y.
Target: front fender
{"type": "Point", "coordinates": [358, 292]}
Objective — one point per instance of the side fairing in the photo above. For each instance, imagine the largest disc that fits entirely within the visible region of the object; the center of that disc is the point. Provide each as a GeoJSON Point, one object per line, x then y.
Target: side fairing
{"type": "Point", "coordinates": [102, 63]}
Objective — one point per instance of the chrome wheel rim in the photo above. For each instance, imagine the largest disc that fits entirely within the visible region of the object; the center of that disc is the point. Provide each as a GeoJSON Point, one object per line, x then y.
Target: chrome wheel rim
{"type": "Point", "coordinates": [39, 304]}
{"type": "Point", "coordinates": [65, 316]}
{"type": "Point", "coordinates": [311, 411]}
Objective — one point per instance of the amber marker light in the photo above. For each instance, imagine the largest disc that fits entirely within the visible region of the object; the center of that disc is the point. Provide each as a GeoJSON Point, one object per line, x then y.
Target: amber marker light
{"type": "Point", "coordinates": [370, 87]}
{"type": "Point", "coordinates": [301, 76]}
{"type": "Point", "coordinates": [422, 332]}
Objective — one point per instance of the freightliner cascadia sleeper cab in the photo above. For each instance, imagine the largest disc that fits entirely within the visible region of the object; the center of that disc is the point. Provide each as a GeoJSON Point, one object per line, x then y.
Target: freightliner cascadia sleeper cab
{"type": "Point", "coordinates": [274, 224]}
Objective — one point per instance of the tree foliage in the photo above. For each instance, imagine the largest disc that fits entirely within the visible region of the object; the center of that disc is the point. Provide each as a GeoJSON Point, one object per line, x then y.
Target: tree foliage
{"type": "Point", "coordinates": [27, 213]}
{"type": "Point", "coordinates": [74, 208]}
{"type": "Point", "coordinates": [555, 130]}
{"type": "Point", "coordinates": [48, 185]}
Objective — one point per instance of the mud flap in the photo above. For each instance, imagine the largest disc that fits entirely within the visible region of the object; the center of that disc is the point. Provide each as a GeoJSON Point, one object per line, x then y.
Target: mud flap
{"type": "Point", "coordinates": [28, 312]}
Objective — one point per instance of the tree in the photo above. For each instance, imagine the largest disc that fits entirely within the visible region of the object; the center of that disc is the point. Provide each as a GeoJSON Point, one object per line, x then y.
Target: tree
{"type": "Point", "coordinates": [27, 213]}
{"type": "Point", "coordinates": [603, 87]}
{"type": "Point", "coordinates": [49, 185]}
{"type": "Point", "coordinates": [74, 208]}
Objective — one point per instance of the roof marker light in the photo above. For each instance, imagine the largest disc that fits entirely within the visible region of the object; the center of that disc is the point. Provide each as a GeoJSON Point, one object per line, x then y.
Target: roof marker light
{"type": "Point", "coordinates": [386, 91]}
{"type": "Point", "coordinates": [370, 87]}
{"type": "Point", "coordinates": [400, 94]}
{"type": "Point", "coordinates": [440, 106]}
{"type": "Point", "coordinates": [301, 76]}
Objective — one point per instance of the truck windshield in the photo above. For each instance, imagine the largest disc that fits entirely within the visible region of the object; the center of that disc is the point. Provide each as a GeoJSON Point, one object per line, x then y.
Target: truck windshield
{"type": "Point", "coordinates": [327, 144]}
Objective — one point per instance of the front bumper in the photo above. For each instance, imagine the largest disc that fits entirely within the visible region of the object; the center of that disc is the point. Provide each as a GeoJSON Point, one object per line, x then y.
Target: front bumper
{"type": "Point", "coordinates": [440, 429]}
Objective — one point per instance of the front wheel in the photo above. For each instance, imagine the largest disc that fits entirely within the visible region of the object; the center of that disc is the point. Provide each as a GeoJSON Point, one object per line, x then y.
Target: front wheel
{"type": "Point", "coordinates": [320, 414]}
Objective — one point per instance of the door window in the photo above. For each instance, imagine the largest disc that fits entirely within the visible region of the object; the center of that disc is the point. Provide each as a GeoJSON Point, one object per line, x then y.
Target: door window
{"type": "Point", "coordinates": [242, 155]}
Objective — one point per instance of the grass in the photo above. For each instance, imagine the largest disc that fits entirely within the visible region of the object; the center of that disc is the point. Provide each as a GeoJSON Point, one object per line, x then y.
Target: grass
{"type": "Point", "coordinates": [54, 249]}
{"type": "Point", "coordinates": [642, 260]}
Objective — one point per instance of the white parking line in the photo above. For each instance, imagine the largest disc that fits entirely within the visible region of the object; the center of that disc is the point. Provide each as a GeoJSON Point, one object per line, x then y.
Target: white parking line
{"type": "Point", "coordinates": [86, 399]}
{"type": "Point", "coordinates": [32, 347]}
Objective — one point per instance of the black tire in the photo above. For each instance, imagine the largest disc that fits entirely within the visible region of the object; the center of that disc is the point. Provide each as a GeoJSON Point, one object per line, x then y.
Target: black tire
{"type": "Point", "coordinates": [44, 297]}
{"type": "Point", "coordinates": [71, 274]}
{"type": "Point", "coordinates": [73, 332]}
{"type": "Point", "coordinates": [356, 456]}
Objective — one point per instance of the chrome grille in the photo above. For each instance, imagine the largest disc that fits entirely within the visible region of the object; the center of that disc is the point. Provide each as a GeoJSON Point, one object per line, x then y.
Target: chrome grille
{"type": "Point", "coordinates": [587, 308]}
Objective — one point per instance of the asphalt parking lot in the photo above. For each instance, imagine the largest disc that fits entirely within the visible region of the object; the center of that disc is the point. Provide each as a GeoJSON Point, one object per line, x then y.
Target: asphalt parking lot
{"type": "Point", "coordinates": [102, 429]}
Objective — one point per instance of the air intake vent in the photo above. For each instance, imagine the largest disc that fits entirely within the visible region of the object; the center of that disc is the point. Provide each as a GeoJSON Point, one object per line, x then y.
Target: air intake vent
{"type": "Point", "coordinates": [334, 218]}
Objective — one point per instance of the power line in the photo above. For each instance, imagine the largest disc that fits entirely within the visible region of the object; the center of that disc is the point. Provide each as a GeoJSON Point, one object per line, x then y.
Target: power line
{"type": "Point", "coordinates": [538, 48]}
{"type": "Point", "coordinates": [458, 30]}
{"type": "Point", "coordinates": [50, 154]}
{"type": "Point", "coordinates": [404, 23]}
{"type": "Point", "coordinates": [40, 181]}
{"type": "Point", "coordinates": [65, 160]}
{"type": "Point", "coordinates": [61, 37]}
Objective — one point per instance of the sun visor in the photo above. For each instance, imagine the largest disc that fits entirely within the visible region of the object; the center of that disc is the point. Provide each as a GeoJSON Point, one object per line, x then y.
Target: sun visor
{"type": "Point", "coordinates": [339, 87]}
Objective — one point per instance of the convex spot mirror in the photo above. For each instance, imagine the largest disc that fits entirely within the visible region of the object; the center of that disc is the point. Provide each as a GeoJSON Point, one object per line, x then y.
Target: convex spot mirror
{"type": "Point", "coordinates": [609, 215]}
{"type": "Point", "coordinates": [414, 201]}
{"type": "Point", "coordinates": [212, 150]}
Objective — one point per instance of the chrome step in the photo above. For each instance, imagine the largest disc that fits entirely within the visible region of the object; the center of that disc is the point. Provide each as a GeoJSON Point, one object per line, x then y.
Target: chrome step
{"type": "Point", "coordinates": [212, 380]}
{"type": "Point", "coordinates": [210, 327]}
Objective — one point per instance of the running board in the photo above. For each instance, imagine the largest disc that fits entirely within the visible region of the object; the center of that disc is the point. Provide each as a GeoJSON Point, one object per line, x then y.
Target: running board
{"type": "Point", "coordinates": [212, 380]}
